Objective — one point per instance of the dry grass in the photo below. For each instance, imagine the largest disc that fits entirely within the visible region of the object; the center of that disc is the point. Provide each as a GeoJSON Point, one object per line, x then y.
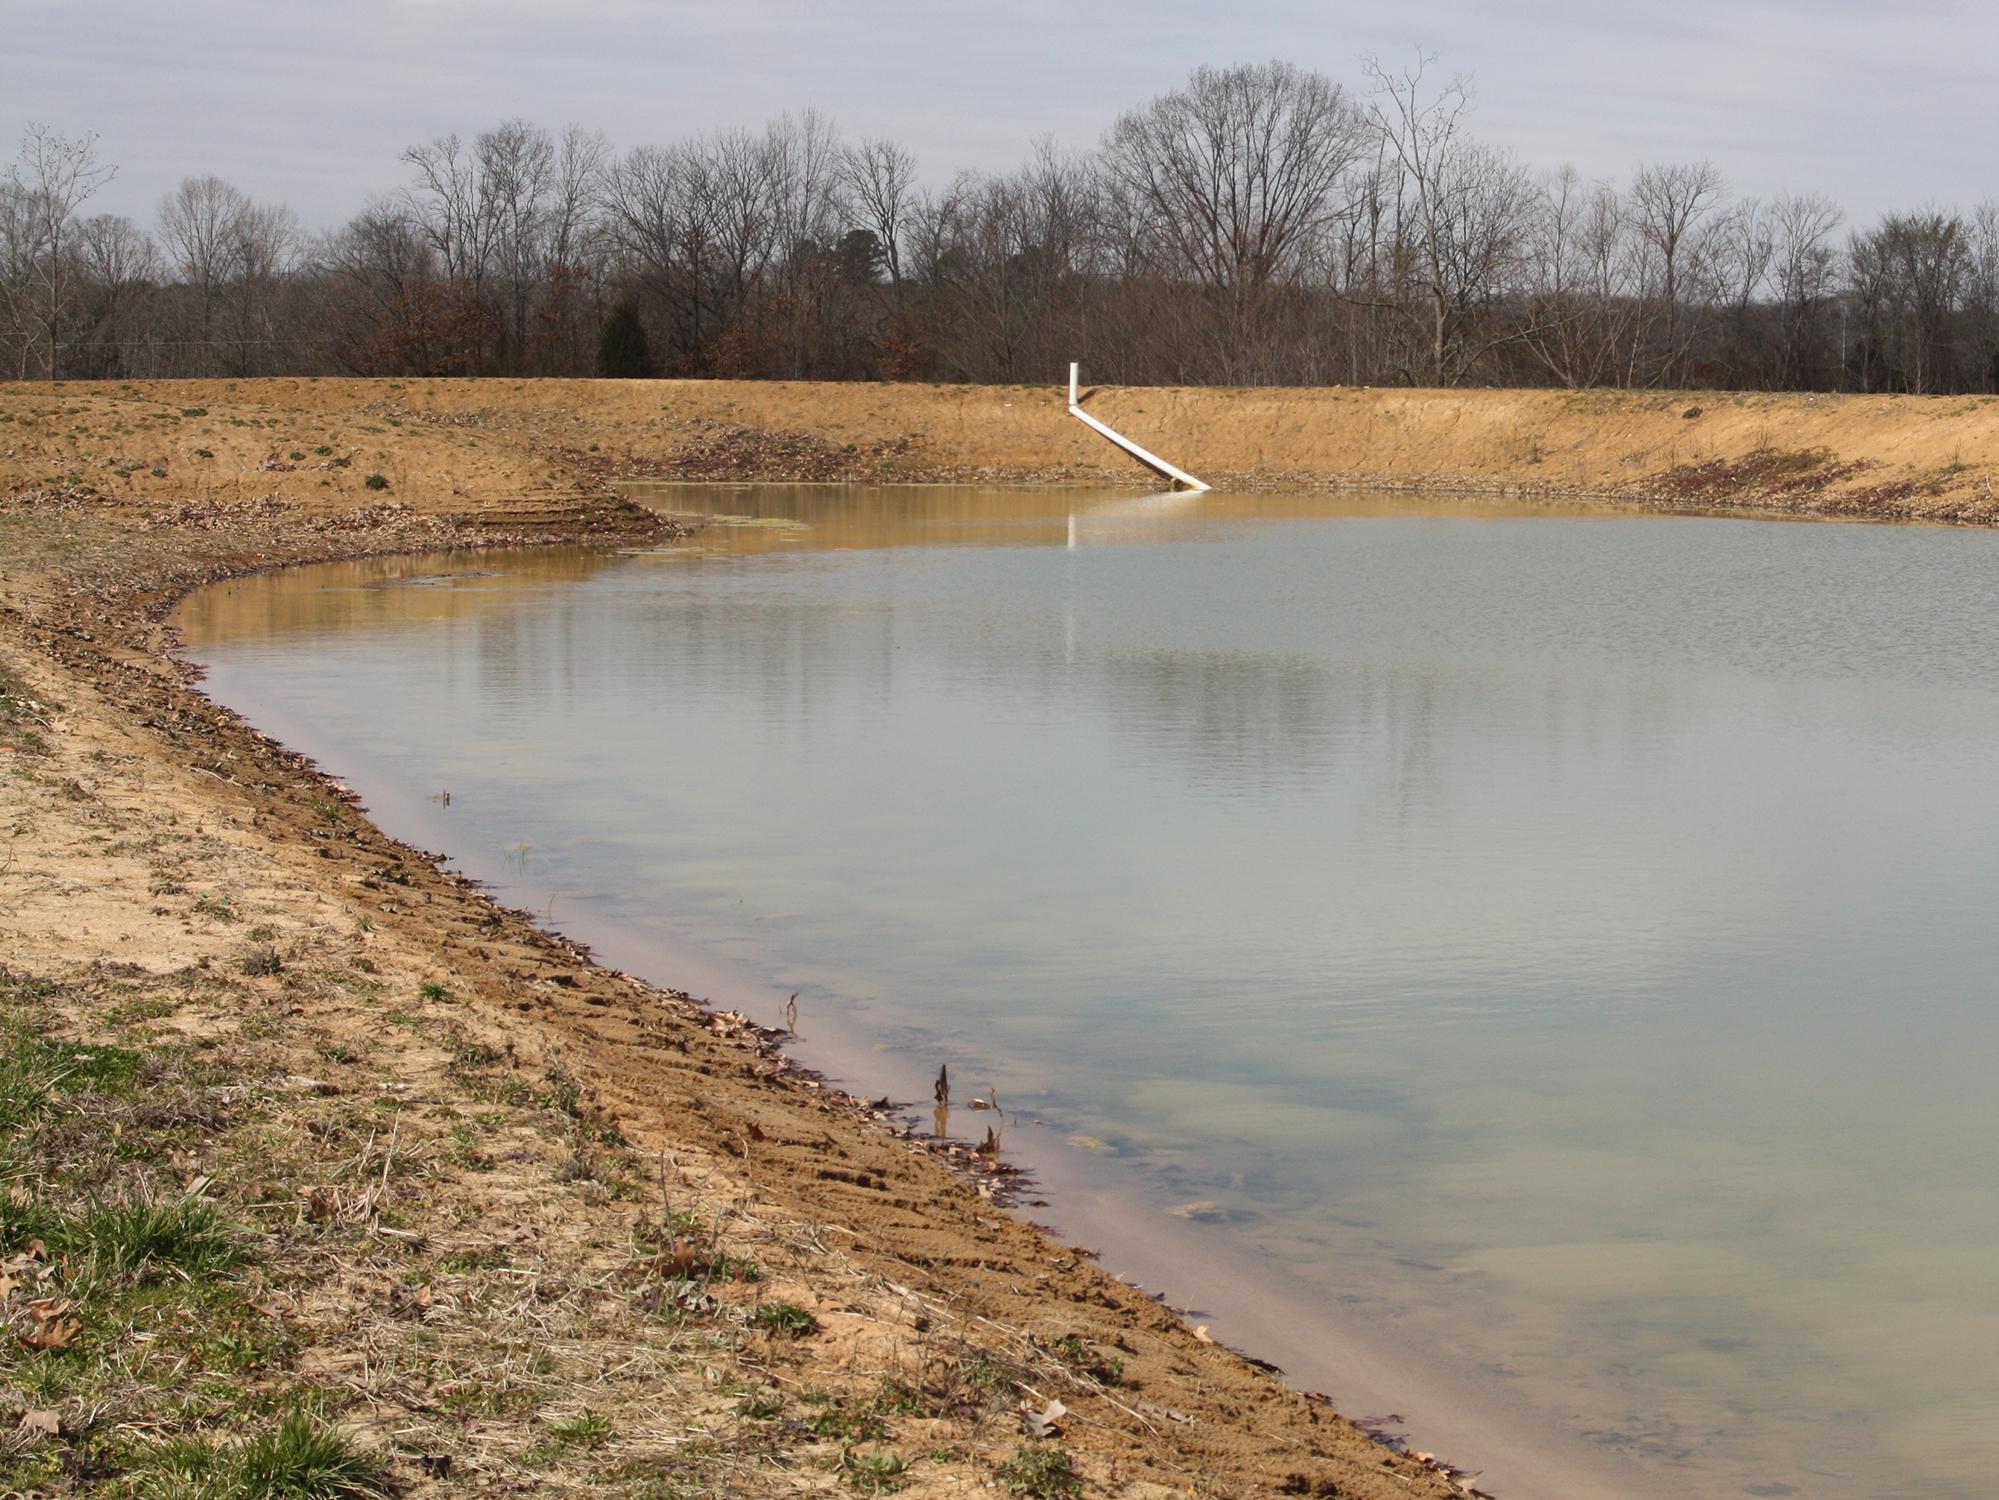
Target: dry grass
{"type": "Point", "coordinates": [425, 1260]}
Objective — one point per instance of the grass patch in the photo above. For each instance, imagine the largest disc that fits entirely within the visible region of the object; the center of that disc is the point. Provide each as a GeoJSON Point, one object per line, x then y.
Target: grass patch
{"type": "Point", "coordinates": [221, 908]}
{"type": "Point", "coordinates": [1084, 1360]}
{"type": "Point", "coordinates": [262, 960]}
{"type": "Point", "coordinates": [1040, 1474]}
{"type": "Point", "coordinates": [784, 1320]}
{"type": "Point", "coordinates": [876, 1472]}
{"type": "Point", "coordinates": [23, 716]}
{"type": "Point", "coordinates": [847, 1427]}
{"type": "Point", "coordinates": [34, 1067]}
{"type": "Point", "coordinates": [300, 1459]}
{"type": "Point", "coordinates": [586, 1427]}
{"type": "Point", "coordinates": [143, 1236]}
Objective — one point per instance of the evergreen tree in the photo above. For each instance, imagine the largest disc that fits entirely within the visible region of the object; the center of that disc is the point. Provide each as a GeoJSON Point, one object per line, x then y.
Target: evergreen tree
{"type": "Point", "coordinates": [622, 353]}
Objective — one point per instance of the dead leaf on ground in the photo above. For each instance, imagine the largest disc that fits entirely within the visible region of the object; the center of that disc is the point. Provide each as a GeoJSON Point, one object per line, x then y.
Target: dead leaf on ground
{"type": "Point", "coordinates": [679, 1263]}
{"type": "Point", "coordinates": [1043, 1423]}
{"type": "Point", "coordinates": [47, 1423]}
{"type": "Point", "coordinates": [54, 1327]}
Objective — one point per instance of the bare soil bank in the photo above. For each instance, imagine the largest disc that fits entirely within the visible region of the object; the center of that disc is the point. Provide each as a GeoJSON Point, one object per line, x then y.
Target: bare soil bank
{"type": "Point", "coordinates": [487, 446]}
{"type": "Point", "coordinates": [496, 1219]}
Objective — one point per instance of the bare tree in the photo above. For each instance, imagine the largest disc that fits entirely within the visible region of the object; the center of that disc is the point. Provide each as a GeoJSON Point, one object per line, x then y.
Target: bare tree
{"type": "Point", "coordinates": [1981, 298]}
{"type": "Point", "coordinates": [449, 203]}
{"type": "Point", "coordinates": [1470, 210]}
{"type": "Point", "coordinates": [1581, 311]}
{"type": "Point", "coordinates": [803, 167]}
{"type": "Point", "coordinates": [879, 177]}
{"type": "Point", "coordinates": [231, 256]}
{"type": "Point", "coordinates": [1670, 205]}
{"type": "Point", "coordinates": [1240, 168]}
{"type": "Point", "coordinates": [516, 178]}
{"type": "Point", "coordinates": [119, 263]}
{"type": "Point", "coordinates": [1805, 277]}
{"type": "Point", "coordinates": [1909, 274]}
{"type": "Point", "coordinates": [1744, 249]}
{"type": "Point", "coordinates": [19, 245]}
{"type": "Point", "coordinates": [268, 242]}
{"type": "Point", "coordinates": [53, 177]}
{"type": "Point", "coordinates": [200, 223]}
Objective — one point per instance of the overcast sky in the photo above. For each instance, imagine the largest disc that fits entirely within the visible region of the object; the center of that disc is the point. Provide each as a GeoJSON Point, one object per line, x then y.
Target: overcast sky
{"type": "Point", "coordinates": [310, 101]}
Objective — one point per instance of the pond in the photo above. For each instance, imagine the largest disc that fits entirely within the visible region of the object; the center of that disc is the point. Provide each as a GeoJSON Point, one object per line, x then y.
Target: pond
{"type": "Point", "coordinates": [1530, 966]}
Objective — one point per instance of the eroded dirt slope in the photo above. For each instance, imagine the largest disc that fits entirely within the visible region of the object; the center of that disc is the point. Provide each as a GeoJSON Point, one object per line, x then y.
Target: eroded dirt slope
{"type": "Point", "coordinates": [498, 445]}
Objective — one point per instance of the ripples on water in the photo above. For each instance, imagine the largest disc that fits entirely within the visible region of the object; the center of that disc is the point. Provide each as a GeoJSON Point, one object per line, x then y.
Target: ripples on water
{"type": "Point", "coordinates": [1565, 936]}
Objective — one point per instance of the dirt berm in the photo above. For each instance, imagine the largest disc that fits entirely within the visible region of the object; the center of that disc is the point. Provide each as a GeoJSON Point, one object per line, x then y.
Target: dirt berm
{"type": "Point", "coordinates": [476, 446]}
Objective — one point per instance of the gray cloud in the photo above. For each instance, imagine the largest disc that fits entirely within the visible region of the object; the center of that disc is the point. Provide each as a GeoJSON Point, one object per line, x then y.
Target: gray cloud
{"type": "Point", "coordinates": [311, 103]}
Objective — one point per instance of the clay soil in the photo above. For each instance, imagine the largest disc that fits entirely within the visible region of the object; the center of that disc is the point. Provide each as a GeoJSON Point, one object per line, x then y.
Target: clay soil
{"type": "Point", "coordinates": [504, 451]}
{"type": "Point", "coordinates": [474, 1214]}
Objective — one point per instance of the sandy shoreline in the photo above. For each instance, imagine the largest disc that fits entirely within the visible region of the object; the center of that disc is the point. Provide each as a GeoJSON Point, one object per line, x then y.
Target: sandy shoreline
{"type": "Point", "coordinates": [119, 756]}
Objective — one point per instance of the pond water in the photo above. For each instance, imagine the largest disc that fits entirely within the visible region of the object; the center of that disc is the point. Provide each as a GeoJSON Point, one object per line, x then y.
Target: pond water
{"type": "Point", "coordinates": [1537, 959]}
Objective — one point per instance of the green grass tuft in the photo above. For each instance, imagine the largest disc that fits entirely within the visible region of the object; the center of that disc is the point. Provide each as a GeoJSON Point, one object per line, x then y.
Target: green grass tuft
{"type": "Point", "coordinates": [585, 1427]}
{"type": "Point", "coordinates": [140, 1234]}
{"type": "Point", "coordinates": [1040, 1474]}
{"type": "Point", "coordinates": [300, 1459]}
{"type": "Point", "coordinates": [784, 1319]}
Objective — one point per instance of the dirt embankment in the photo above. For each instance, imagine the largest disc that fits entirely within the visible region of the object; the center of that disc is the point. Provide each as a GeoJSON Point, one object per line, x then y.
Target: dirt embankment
{"type": "Point", "coordinates": [319, 1169]}
{"type": "Point", "coordinates": [511, 448]}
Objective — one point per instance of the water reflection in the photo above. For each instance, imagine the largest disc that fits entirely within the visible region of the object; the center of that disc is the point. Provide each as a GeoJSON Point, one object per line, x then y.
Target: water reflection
{"type": "Point", "coordinates": [1563, 936]}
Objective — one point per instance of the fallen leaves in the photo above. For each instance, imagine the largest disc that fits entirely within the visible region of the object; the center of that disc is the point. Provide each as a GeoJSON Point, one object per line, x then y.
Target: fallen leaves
{"type": "Point", "coordinates": [681, 1262]}
{"type": "Point", "coordinates": [54, 1326]}
{"type": "Point", "coordinates": [18, 1270]}
{"type": "Point", "coordinates": [319, 1204]}
{"type": "Point", "coordinates": [1043, 1423]}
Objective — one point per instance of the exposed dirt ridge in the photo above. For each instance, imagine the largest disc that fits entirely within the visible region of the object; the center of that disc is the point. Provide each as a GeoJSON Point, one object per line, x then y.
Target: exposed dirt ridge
{"type": "Point", "coordinates": [510, 446]}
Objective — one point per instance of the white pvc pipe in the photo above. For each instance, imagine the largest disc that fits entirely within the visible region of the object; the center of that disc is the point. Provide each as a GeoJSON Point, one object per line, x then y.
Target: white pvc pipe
{"type": "Point", "coordinates": [1152, 461]}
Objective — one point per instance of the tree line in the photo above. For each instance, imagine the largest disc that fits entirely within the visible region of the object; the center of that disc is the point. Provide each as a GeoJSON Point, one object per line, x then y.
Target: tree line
{"type": "Point", "coordinates": [1258, 224]}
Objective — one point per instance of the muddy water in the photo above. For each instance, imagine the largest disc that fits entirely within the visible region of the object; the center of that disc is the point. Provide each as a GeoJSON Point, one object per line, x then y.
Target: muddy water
{"type": "Point", "coordinates": [1550, 954]}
